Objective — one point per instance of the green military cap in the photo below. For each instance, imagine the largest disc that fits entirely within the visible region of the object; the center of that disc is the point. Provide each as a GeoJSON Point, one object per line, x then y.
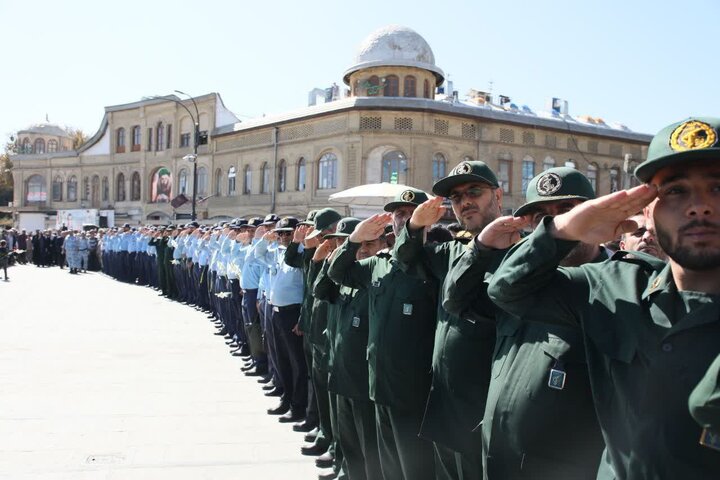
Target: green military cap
{"type": "Point", "coordinates": [323, 220]}
{"type": "Point", "coordinates": [558, 183]}
{"type": "Point", "coordinates": [310, 219]}
{"type": "Point", "coordinates": [465, 172]}
{"type": "Point", "coordinates": [410, 197]}
{"type": "Point", "coordinates": [344, 227]}
{"type": "Point", "coordinates": [692, 139]}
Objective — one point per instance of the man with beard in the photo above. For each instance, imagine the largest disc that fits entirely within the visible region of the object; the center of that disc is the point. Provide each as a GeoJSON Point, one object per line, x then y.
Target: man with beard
{"type": "Point", "coordinates": [400, 338]}
{"type": "Point", "coordinates": [457, 397]}
{"type": "Point", "coordinates": [650, 330]}
{"type": "Point", "coordinates": [536, 425]}
{"type": "Point", "coordinates": [643, 239]}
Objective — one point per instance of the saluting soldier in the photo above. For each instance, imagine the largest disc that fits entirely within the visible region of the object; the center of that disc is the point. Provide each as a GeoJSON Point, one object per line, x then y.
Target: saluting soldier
{"type": "Point", "coordinates": [650, 330]}
{"type": "Point", "coordinates": [400, 339]}
{"type": "Point", "coordinates": [539, 420]}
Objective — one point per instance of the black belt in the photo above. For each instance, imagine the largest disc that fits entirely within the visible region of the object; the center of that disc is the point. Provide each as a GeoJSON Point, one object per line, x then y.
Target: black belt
{"type": "Point", "coordinates": [286, 307]}
{"type": "Point", "coordinates": [246, 290]}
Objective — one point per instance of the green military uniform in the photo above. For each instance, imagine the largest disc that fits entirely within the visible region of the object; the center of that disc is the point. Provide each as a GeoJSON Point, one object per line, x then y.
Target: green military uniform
{"type": "Point", "coordinates": [533, 428]}
{"type": "Point", "coordinates": [347, 332]}
{"type": "Point", "coordinates": [462, 348]}
{"type": "Point", "coordinates": [401, 326]}
{"type": "Point", "coordinates": [705, 406]}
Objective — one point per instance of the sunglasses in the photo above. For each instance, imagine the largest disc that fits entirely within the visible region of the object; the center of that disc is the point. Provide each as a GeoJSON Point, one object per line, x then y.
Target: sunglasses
{"type": "Point", "coordinates": [472, 192]}
{"type": "Point", "coordinates": [283, 233]}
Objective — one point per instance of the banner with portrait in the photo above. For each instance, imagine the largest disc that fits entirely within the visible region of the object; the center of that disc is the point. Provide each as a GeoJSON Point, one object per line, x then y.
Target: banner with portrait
{"type": "Point", "coordinates": [162, 184]}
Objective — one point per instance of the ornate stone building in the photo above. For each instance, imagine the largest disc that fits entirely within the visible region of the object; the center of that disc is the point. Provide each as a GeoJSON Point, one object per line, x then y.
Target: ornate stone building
{"type": "Point", "coordinates": [400, 122]}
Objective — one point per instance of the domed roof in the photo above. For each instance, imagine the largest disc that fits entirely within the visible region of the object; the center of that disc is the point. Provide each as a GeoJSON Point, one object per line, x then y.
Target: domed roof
{"type": "Point", "coordinates": [46, 129]}
{"type": "Point", "coordinates": [395, 45]}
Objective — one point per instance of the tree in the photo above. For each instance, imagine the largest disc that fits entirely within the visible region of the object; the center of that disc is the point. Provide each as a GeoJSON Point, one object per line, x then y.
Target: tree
{"type": "Point", "coordinates": [6, 178]}
{"type": "Point", "coordinates": [78, 137]}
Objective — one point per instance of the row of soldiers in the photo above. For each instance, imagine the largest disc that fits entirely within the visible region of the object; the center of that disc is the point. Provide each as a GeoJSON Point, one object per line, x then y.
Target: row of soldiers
{"type": "Point", "coordinates": [530, 350]}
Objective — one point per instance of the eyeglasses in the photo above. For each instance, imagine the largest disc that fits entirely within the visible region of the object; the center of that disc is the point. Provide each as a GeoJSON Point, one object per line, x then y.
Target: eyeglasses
{"type": "Point", "coordinates": [283, 233]}
{"type": "Point", "coordinates": [472, 192]}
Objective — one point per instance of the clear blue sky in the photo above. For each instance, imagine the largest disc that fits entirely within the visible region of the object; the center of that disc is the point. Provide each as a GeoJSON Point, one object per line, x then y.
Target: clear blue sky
{"type": "Point", "coordinates": [642, 63]}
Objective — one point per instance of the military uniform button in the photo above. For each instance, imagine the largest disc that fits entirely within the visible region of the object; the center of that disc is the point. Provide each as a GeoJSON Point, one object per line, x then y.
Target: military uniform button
{"type": "Point", "coordinates": [667, 348]}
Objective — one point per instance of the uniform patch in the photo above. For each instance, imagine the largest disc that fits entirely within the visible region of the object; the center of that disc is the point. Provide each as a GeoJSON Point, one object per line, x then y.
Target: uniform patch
{"type": "Point", "coordinates": [693, 135]}
{"type": "Point", "coordinates": [549, 184]}
{"type": "Point", "coordinates": [556, 380]}
{"type": "Point", "coordinates": [356, 321]}
{"type": "Point", "coordinates": [463, 168]}
{"type": "Point", "coordinates": [407, 308]}
{"type": "Point", "coordinates": [408, 196]}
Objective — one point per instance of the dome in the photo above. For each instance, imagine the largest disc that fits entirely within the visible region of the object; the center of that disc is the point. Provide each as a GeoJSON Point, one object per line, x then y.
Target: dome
{"type": "Point", "coordinates": [46, 129]}
{"type": "Point", "coordinates": [395, 45]}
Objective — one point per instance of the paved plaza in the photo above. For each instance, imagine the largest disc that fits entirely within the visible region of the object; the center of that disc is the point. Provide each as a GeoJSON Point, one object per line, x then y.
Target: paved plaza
{"type": "Point", "coordinates": [102, 380]}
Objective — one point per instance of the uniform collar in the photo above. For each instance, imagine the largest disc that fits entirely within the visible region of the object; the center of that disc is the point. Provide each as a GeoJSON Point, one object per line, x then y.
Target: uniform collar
{"type": "Point", "coordinates": [659, 282]}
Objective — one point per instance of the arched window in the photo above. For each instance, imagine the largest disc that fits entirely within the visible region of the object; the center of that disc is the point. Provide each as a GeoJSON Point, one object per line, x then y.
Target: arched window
{"type": "Point", "coordinates": [301, 175]}
{"type": "Point", "coordinates": [528, 172]}
{"type": "Point", "coordinates": [160, 136]}
{"type": "Point", "coordinates": [231, 180]}
{"type": "Point", "coordinates": [135, 187]}
{"type": "Point", "coordinates": [282, 176]}
{"type": "Point", "coordinates": [614, 179]}
{"type": "Point", "coordinates": [136, 138]}
{"type": "Point", "coordinates": [373, 86]}
{"type": "Point", "coordinates": [439, 167]}
{"type": "Point", "coordinates": [120, 141]}
{"type": "Point", "coordinates": [85, 194]}
{"type": "Point", "coordinates": [202, 181]}
{"type": "Point", "coordinates": [548, 163]}
{"type": "Point", "coordinates": [120, 188]}
{"type": "Point", "coordinates": [410, 86]}
{"type": "Point", "coordinates": [36, 191]}
{"type": "Point", "coordinates": [392, 86]}
{"type": "Point", "coordinates": [218, 183]}
{"type": "Point", "coordinates": [39, 145]}
{"type": "Point", "coordinates": [72, 189]}
{"type": "Point", "coordinates": [26, 146]}
{"type": "Point", "coordinates": [57, 189]}
{"type": "Point", "coordinates": [52, 146]}
{"type": "Point", "coordinates": [265, 175]}
{"type": "Point", "coordinates": [327, 171]}
{"type": "Point", "coordinates": [183, 181]}
{"type": "Point", "coordinates": [592, 176]}
{"type": "Point", "coordinates": [105, 189]}
{"type": "Point", "coordinates": [426, 89]}
{"type": "Point", "coordinates": [394, 167]}
{"type": "Point", "coordinates": [247, 180]}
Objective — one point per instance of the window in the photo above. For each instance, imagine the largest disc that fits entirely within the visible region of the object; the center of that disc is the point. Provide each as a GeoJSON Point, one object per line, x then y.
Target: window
{"type": "Point", "coordinates": [120, 141]}
{"type": "Point", "coordinates": [327, 171]}
{"type": "Point", "coordinates": [39, 145]}
{"type": "Point", "coordinates": [426, 89]}
{"type": "Point", "coordinates": [202, 181]}
{"type": "Point", "coordinates": [136, 138]}
{"type": "Point", "coordinates": [392, 86]}
{"type": "Point", "coordinates": [186, 127]}
{"type": "Point", "coordinates": [72, 189]}
{"type": "Point", "coordinates": [57, 189]}
{"type": "Point", "coordinates": [548, 163]}
{"type": "Point", "coordinates": [592, 176]}
{"type": "Point", "coordinates": [95, 191]}
{"type": "Point", "coordinates": [439, 167]}
{"type": "Point", "coordinates": [504, 175]}
{"type": "Point", "coordinates": [85, 189]}
{"type": "Point", "coordinates": [182, 181]}
{"type": "Point", "coordinates": [231, 180]}
{"type": "Point", "coordinates": [282, 176]}
{"type": "Point", "coordinates": [218, 183]}
{"type": "Point", "coordinates": [265, 175]}
{"type": "Point", "coordinates": [247, 181]}
{"type": "Point", "coordinates": [36, 190]}
{"type": "Point", "coordinates": [120, 188]}
{"type": "Point", "coordinates": [149, 137]}
{"type": "Point", "coordinates": [372, 87]}
{"type": "Point", "coordinates": [105, 189]}
{"type": "Point", "coordinates": [26, 146]}
{"type": "Point", "coordinates": [410, 86]}
{"type": "Point", "coordinates": [160, 140]}
{"type": "Point", "coordinates": [301, 175]}
{"type": "Point", "coordinates": [614, 179]}
{"type": "Point", "coordinates": [52, 146]}
{"type": "Point", "coordinates": [184, 140]}
{"type": "Point", "coordinates": [168, 143]}
{"type": "Point", "coordinates": [528, 172]}
{"type": "Point", "coordinates": [135, 187]}
{"type": "Point", "coordinates": [394, 167]}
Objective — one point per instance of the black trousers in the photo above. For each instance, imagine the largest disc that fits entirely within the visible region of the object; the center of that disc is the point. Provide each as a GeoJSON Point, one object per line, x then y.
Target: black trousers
{"type": "Point", "coordinates": [291, 363]}
{"type": "Point", "coordinates": [251, 323]}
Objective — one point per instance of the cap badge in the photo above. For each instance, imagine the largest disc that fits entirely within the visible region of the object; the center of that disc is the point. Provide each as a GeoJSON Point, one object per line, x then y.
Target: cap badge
{"type": "Point", "coordinates": [549, 184]}
{"type": "Point", "coordinates": [463, 168]}
{"type": "Point", "coordinates": [340, 227]}
{"type": "Point", "coordinates": [692, 135]}
{"type": "Point", "coordinates": [408, 196]}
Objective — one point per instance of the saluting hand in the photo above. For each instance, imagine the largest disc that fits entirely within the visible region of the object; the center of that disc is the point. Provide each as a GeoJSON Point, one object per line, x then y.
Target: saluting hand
{"type": "Point", "coordinates": [325, 249]}
{"type": "Point", "coordinates": [300, 233]}
{"type": "Point", "coordinates": [502, 232]}
{"type": "Point", "coordinates": [604, 218]}
{"type": "Point", "coordinates": [427, 213]}
{"type": "Point", "coordinates": [312, 242]}
{"type": "Point", "coordinates": [370, 228]}
{"type": "Point", "coordinates": [259, 232]}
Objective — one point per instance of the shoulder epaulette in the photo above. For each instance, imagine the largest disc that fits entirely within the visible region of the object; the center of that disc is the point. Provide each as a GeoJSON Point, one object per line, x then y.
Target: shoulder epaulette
{"type": "Point", "coordinates": [646, 261]}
